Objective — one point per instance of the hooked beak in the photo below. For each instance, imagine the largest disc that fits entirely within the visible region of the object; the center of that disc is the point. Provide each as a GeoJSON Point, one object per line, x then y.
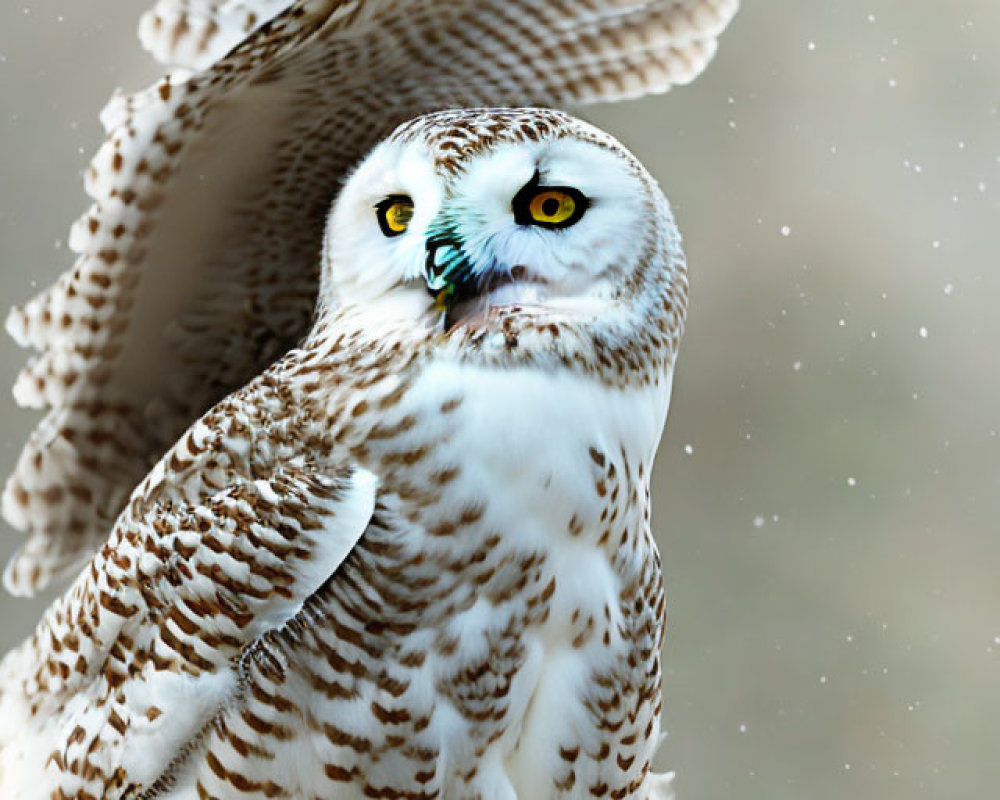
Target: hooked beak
{"type": "Point", "coordinates": [448, 273]}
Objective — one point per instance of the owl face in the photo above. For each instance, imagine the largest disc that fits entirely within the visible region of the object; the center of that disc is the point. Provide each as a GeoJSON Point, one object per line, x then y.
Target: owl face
{"type": "Point", "coordinates": [460, 212]}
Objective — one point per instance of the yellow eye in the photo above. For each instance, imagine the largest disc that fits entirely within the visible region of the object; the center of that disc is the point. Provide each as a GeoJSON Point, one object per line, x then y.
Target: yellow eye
{"type": "Point", "coordinates": [552, 207]}
{"type": "Point", "coordinates": [394, 214]}
{"type": "Point", "coordinates": [549, 206]}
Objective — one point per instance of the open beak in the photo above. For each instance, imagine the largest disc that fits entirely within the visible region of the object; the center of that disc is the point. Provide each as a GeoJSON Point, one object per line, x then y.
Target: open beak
{"type": "Point", "coordinates": [460, 291]}
{"type": "Point", "coordinates": [448, 273]}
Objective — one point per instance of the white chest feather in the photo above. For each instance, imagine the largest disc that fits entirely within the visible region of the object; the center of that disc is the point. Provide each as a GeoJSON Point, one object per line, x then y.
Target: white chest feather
{"type": "Point", "coordinates": [525, 437]}
{"type": "Point", "coordinates": [553, 458]}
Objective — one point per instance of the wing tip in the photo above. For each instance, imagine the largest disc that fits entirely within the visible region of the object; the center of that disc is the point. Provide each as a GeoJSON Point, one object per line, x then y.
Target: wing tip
{"type": "Point", "coordinates": [28, 572]}
{"type": "Point", "coordinates": [17, 324]}
{"type": "Point", "coordinates": [17, 584]}
{"type": "Point", "coordinates": [176, 35]}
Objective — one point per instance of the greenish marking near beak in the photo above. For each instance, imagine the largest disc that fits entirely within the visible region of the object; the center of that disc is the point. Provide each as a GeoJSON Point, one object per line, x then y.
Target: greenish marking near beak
{"type": "Point", "coordinates": [447, 271]}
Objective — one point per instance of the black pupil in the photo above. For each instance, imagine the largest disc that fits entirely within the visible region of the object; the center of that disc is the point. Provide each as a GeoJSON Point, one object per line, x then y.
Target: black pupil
{"type": "Point", "coordinates": [550, 207]}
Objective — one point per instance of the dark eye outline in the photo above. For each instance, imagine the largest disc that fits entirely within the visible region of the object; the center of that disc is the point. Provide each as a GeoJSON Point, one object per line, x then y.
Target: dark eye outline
{"type": "Point", "coordinates": [521, 204]}
{"type": "Point", "coordinates": [382, 213]}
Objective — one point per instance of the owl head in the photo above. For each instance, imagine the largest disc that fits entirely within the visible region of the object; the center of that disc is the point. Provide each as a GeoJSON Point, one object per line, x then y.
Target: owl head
{"type": "Point", "coordinates": [462, 218]}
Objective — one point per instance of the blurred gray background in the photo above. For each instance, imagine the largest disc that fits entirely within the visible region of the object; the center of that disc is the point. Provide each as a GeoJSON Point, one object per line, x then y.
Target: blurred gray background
{"type": "Point", "coordinates": [828, 491]}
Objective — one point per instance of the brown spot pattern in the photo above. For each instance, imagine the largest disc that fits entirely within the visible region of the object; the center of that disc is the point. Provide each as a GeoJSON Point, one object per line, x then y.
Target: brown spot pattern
{"type": "Point", "coordinates": [213, 568]}
{"type": "Point", "coordinates": [255, 286]}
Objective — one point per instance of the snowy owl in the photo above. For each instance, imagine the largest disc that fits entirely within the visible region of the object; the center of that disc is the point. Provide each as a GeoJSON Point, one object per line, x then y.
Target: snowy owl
{"type": "Point", "coordinates": [198, 258]}
{"type": "Point", "coordinates": [413, 558]}
{"type": "Point", "coordinates": [393, 538]}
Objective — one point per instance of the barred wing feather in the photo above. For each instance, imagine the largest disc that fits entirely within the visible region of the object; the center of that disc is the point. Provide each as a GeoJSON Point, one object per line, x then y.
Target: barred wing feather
{"type": "Point", "coordinates": [198, 258]}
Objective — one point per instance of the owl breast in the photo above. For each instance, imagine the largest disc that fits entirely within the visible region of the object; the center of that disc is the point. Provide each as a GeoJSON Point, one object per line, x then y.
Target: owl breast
{"type": "Point", "coordinates": [527, 492]}
{"type": "Point", "coordinates": [496, 632]}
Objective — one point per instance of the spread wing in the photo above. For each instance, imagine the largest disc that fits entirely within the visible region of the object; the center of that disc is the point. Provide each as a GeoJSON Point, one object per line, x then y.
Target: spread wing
{"type": "Point", "coordinates": [214, 550]}
{"type": "Point", "coordinates": [198, 258]}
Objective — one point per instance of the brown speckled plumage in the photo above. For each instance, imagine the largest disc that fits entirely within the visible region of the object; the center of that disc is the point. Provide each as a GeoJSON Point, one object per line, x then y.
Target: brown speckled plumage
{"type": "Point", "coordinates": [412, 558]}
{"type": "Point", "coordinates": [387, 640]}
{"type": "Point", "coordinates": [197, 262]}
